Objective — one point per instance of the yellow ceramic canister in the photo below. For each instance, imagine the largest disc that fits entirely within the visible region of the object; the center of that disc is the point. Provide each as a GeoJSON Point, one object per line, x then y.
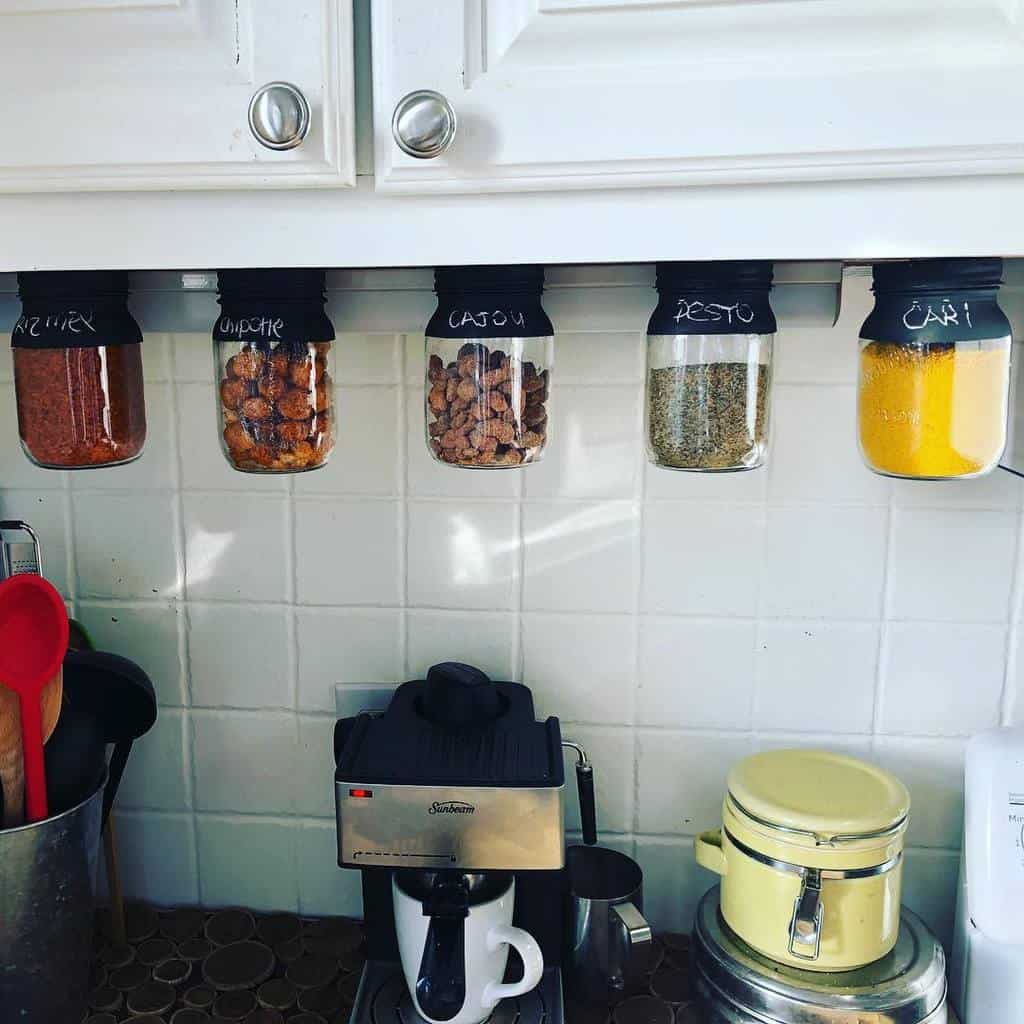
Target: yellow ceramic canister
{"type": "Point", "coordinates": [811, 857]}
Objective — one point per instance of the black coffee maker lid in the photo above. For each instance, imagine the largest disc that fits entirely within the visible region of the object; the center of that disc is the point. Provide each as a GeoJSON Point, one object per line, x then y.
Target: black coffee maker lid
{"type": "Point", "coordinates": [457, 728]}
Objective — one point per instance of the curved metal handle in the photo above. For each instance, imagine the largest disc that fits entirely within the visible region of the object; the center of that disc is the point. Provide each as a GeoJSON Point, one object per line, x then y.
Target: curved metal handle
{"type": "Point", "coordinates": [424, 124]}
{"type": "Point", "coordinates": [585, 785]}
{"type": "Point", "coordinates": [279, 116]}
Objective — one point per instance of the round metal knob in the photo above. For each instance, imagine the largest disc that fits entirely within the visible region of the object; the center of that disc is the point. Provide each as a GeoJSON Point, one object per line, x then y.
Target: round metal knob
{"type": "Point", "coordinates": [423, 124]}
{"type": "Point", "coordinates": [279, 116]}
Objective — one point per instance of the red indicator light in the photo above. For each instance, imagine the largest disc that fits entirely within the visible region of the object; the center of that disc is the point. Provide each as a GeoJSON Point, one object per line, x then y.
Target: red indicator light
{"type": "Point", "coordinates": [361, 794]}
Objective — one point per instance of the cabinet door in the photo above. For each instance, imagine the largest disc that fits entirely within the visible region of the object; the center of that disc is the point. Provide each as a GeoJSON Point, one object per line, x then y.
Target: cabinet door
{"type": "Point", "coordinates": [613, 93]}
{"type": "Point", "coordinates": [154, 94]}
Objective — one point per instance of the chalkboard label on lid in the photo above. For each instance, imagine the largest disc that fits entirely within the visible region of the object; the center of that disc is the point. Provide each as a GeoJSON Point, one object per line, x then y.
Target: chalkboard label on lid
{"type": "Point", "coordinates": [486, 318]}
{"type": "Point", "coordinates": [699, 311]}
{"type": "Point", "coordinates": [68, 321]}
{"type": "Point", "coordinates": [251, 326]}
{"type": "Point", "coordinates": [941, 314]}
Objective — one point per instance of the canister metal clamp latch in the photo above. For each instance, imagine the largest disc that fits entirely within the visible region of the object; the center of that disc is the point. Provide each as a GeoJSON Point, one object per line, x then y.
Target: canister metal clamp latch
{"type": "Point", "coordinates": [808, 910]}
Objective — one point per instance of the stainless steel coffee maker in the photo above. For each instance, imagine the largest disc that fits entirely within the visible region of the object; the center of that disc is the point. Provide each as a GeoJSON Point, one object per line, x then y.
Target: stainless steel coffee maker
{"type": "Point", "coordinates": [451, 804]}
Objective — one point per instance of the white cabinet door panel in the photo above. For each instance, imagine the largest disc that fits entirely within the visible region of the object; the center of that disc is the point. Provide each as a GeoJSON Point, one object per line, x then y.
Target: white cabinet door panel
{"type": "Point", "coordinates": [139, 94]}
{"type": "Point", "coordinates": [612, 93]}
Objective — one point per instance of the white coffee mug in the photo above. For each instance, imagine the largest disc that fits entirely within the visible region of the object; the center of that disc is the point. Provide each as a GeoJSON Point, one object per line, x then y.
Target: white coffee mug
{"type": "Point", "coordinates": [488, 933]}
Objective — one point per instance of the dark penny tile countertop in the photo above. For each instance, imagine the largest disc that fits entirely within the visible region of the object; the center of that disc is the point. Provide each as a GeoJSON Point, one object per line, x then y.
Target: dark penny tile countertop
{"type": "Point", "coordinates": [190, 966]}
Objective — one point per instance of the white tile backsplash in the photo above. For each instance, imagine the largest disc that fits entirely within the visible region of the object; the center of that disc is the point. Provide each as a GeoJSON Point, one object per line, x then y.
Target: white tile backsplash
{"type": "Point", "coordinates": [485, 639]}
{"type": "Point", "coordinates": [577, 666]}
{"type": "Point", "coordinates": [345, 645]}
{"type": "Point", "coordinates": [702, 558]}
{"type": "Point", "coordinates": [580, 556]}
{"type": "Point", "coordinates": [148, 633]}
{"type": "Point", "coordinates": [696, 673]}
{"type": "Point", "coordinates": [245, 761]}
{"type": "Point", "coordinates": [591, 452]}
{"type": "Point", "coordinates": [235, 547]}
{"type": "Point", "coordinates": [254, 674]}
{"type": "Point", "coordinates": [824, 562]}
{"type": "Point", "coordinates": [367, 455]}
{"type": "Point", "coordinates": [952, 565]}
{"type": "Point", "coordinates": [270, 878]}
{"type": "Point", "coordinates": [463, 555]}
{"type": "Point", "coordinates": [941, 679]}
{"type": "Point", "coordinates": [674, 621]}
{"type": "Point", "coordinates": [814, 456]}
{"type": "Point", "coordinates": [126, 545]}
{"type": "Point", "coordinates": [837, 658]}
{"type": "Point", "coordinates": [347, 552]}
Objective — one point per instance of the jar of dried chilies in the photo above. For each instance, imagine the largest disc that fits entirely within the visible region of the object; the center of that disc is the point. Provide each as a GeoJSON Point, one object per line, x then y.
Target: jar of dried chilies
{"type": "Point", "coordinates": [709, 366]}
{"type": "Point", "coordinates": [272, 354]}
{"type": "Point", "coordinates": [934, 370]}
{"type": "Point", "coordinates": [78, 370]}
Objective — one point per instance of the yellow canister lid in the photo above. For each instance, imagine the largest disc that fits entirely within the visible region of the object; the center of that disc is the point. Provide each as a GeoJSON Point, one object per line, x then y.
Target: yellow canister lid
{"type": "Point", "coordinates": [819, 792]}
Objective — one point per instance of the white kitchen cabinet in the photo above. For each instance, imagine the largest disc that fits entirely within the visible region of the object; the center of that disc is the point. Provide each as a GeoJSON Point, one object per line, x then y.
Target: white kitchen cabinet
{"type": "Point", "coordinates": [154, 94]}
{"type": "Point", "coordinates": [557, 94]}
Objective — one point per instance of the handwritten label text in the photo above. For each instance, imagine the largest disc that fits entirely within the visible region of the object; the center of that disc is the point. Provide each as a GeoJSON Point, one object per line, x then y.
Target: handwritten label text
{"type": "Point", "coordinates": [948, 314]}
{"type": "Point", "coordinates": [699, 312]}
{"type": "Point", "coordinates": [263, 326]}
{"type": "Point", "coordinates": [486, 318]}
{"type": "Point", "coordinates": [70, 321]}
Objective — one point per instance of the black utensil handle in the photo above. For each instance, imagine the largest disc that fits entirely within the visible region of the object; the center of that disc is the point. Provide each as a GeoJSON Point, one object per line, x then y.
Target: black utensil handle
{"type": "Point", "coordinates": [118, 759]}
{"type": "Point", "coordinates": [588, 808]}
{"type": "Point", "coordinates": [441, 985]}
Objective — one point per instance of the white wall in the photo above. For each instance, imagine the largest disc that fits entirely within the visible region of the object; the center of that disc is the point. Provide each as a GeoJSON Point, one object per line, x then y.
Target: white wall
{"type": "Point", "coordinates": [675, 622]}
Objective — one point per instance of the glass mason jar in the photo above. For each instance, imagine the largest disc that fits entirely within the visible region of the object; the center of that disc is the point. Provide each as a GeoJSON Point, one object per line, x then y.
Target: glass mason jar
{"type": "Point", "coordinates": [489, 350]}
{"type": "Point", "coordinates": [934, 374]}
{"type": "Point", "coordinates": [78, 370]}
{"type": "Point", "coordinates": [272, 359]}
{"type": "Point", "coordinates": [709, 366]}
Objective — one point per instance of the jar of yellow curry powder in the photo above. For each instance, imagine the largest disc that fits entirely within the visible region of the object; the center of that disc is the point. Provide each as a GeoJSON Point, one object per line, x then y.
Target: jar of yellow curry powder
{"type": "Point", "coordinates": [934, 370]}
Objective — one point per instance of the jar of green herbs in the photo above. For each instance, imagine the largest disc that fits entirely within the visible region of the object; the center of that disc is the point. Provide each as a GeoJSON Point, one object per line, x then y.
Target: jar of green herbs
{"type": "Point", "coordinates": [709, 366]}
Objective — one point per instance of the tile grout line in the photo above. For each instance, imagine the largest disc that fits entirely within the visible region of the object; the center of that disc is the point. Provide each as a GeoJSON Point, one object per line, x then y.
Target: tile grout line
{"type": "Point", "coordinates": [640, 554]}
{"type": "Point", "coordinates": [518, 650]}
{"type": "Point", "coordinates": [70, 547]}
{"type": "Point", "coordinates": [882, 651]}
{"type": "Point", "coordinates": [1008, 694]}
{"type": "Point", "coordinates": [404, 425]}
{"type": "Point", "coordinates": [185, 616]}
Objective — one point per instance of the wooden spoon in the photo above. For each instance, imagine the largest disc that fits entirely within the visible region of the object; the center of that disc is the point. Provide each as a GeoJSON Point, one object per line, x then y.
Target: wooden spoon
{"type": "Point", "coordinates": [12, 760]}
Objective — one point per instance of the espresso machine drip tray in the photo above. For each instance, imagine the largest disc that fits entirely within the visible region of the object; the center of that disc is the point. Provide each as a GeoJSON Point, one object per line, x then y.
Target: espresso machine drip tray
{"type": "Point", "coordinates": [383, 998]}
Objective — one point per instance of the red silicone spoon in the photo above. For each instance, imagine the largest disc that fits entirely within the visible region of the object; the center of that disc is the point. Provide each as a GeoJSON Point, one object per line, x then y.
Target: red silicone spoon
{"type": "Point", "coordinates": [33, 641]}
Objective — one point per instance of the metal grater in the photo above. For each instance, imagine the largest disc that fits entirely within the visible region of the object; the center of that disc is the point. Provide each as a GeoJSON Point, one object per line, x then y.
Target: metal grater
{"type": "Point", "coordinates": [19, 549]}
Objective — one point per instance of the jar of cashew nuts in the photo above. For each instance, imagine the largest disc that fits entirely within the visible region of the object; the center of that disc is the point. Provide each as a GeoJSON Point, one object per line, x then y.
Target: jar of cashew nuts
{"type": "Point", "coordinates": [272, 356]}
{"type": "Point", "coordinates": [488, 367]}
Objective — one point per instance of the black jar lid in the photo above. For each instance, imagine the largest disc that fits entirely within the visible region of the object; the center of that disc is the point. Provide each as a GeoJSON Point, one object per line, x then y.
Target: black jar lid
{"type": "Point", "coordinates": [714, 275]}
{"type": "Point", "coordinates": [936, 275]}
{"type": "Point", "coordinates": [272, 283]}
{"type": "Point", "coordinates": [489, 302]}
{"type": "Point", "coordinates": [73, 284]}
{"type": "Point", "coordinates": [74, 309]}
{"type": "Point", "coordinates": [511, 278]}
{"type": "Point", "coordinates": [936, 302]}
{"type": "Point", "coordinates": [713, 297]}
{"type": "Point", "coordinates": [267, 306]}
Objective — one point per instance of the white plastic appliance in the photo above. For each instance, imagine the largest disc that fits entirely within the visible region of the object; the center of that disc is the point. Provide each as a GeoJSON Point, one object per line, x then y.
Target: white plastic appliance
{"type": "Point", "coordinates": [987, 969]}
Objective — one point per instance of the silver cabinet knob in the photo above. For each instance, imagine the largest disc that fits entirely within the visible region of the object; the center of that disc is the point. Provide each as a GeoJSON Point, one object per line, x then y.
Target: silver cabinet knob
{"type": "Point", "coordinates": [423, 124]}
{"type": "Point", "coordinates": [279, 116]}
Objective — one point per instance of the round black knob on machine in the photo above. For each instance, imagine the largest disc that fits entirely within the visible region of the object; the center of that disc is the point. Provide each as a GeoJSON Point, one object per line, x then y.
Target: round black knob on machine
{"type": "Point", "coordinates": [459, 695]}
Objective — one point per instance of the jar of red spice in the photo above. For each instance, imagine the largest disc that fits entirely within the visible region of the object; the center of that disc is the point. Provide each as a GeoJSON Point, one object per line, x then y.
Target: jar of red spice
{"type": "Point", "coordinates": [78, 370]}
{"type": "Point", "coordinates": [272, 351]}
